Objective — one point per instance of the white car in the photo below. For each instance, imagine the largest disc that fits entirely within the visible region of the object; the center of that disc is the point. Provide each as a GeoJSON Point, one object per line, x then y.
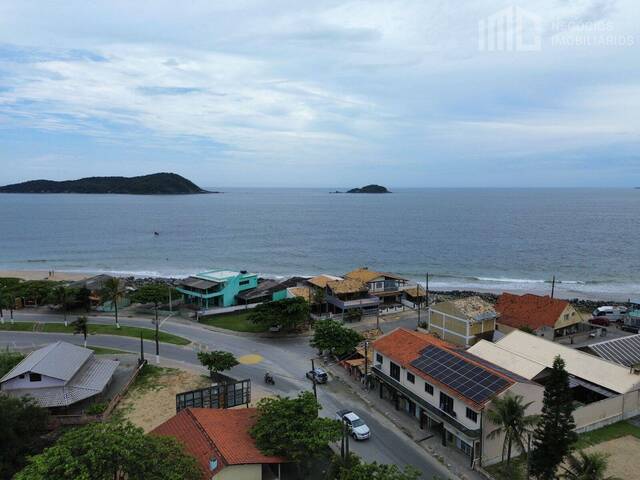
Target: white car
{"type": "Point", "coordinates": [358, 429]}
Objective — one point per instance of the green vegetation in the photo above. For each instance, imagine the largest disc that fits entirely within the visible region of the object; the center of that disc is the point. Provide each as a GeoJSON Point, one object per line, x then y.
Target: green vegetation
{"type": "Point", "coordinates": [23, 424]}
{"type": "Point", "coordinates": [334, 337]}
{"type": "Point", "coordinates": [113, 291]}
{"type": "Point", "coordinates": [102, 451]}
{"type": "Point", "coordinates": [353, 468]}
{"type": "Point", "coordinates": [610, 432]}
{"type": "Point", "coordinates": [586, 466]}
{"type": "Point", "coordinates": [81, 326]}
{"type": "Point", "coordinates": [148, 377]}
{"type": "Point", "coordinates": [369, 189]}
{"type": "Point", "coordinates": [289, 313]}
{"type": "Point", "coordinates": [217, 361]}
{"type": "Point", "coordinates": [554, 436]}
{"type": "Point", "coordinates": [8, 360]}
{"type": "Point", "coordinates": [106, 351]}
{"type": "Point", "coordinates": [290, 427]}
{"type": "Point", "coordinates": [96, 408]}
{"type": "Point", "coordinates": [99, 329]}
{"type": "Point", "coordinates": [154, 184]}
{"type": "Point", "coordinates": [236, 321]}
{"type": "Point", "coordinates": [517, 470]}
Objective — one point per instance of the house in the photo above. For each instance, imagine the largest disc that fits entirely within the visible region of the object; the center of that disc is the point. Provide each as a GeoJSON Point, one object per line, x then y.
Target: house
{"type": "Point", "coordinates": [59, 375]}
{"type": "Point", "coordinates": [347, 295]}
{"type": "Point", "coordinates": [96, 285]}
{"type": "Point", "coordinates": [624, 351]}
{"type": "Point", "coordinates": [269, 290]}
{"type": "Point", "coordinates": [386, 286]}
{"type": "Point", "coordinates": [219, 439]}
{"type": "Point", "coordinates": [216, 288]}
{"type": "Point", "coordinates": [300, 292]}
{"type": "Point", "coordinates": [447, 390]}
{"type": "Point", "coordinates": [545, 316]}
{"type": "Point", "coordinates": [604, 392]}
{"type": "Point", "coordinates": [463, 321]}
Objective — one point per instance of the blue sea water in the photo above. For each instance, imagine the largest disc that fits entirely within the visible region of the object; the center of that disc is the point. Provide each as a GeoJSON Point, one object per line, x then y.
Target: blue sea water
{"type": "Point", "coordinates": [495, 239]}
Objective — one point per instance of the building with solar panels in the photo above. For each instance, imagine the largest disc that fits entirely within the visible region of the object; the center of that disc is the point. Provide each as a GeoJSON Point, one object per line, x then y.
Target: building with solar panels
{"type": "Point", "coordinates": [447, 389]}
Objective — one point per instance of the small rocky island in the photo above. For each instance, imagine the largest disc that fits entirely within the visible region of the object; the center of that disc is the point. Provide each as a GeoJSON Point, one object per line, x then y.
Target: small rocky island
{"type": "Point", "coordinates": [154, 184]}
{"type": "Point", "coordinates": [369, 189]}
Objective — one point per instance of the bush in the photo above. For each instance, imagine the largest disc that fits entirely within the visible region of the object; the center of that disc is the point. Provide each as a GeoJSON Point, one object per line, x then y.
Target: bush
{"type": "Point", "coordinates": [96, 408]}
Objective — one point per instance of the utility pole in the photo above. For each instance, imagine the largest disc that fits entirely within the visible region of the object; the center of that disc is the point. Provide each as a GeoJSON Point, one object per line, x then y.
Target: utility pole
{"type": "Point", "coordinates": [157, 334]}
{"type": "Point", "coordinates": [553, 286]}
{"type": "Point", "coordinates": [366, 364]}
{"type": "Point", "coordinates": [426, 293]}
{"type": "Point", "coordinates": [313, 379]}
{"type": "Point", "coordinates": [141, 349]}
{"type": "Point", "coordinates": [170, 306]}
{"type": "Point", "coordinates": [418, 300]}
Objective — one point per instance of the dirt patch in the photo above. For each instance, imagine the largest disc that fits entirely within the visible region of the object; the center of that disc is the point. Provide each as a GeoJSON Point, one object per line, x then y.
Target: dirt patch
{"type": "Point", "coordinates": [148, 405]}
{"type": "Point", "coordinates": [624, 461]}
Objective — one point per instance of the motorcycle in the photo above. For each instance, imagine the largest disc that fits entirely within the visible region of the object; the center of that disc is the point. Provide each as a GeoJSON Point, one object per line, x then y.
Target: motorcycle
{"type": "Point", "coordinates": [268, 379]}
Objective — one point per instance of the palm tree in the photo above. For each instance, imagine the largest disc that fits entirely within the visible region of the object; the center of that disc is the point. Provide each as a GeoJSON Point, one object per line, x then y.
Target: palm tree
{"type": "Point", "coordinates": [112, 290]}
{"type": "Point", "coordinates": [508, 414]}
{"type": "Point", "coordinates": [586, 466]}
{"type": "Point", "coordinates": [81, 325]}
{"type": "Point", "coordinates": [60, 295]}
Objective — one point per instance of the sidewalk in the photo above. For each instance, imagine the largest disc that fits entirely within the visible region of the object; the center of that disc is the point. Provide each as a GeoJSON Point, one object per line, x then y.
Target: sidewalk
{"type": "Point", "coordinates": [456, 462]}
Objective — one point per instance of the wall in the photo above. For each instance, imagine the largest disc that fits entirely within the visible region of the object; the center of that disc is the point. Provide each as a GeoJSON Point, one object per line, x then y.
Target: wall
{"type": "Point", "coordinates": [573, 317]}
{"type": "Point", "coordinates": [17, 382]}
{"type": "Point", "coordinates": [240, 472]}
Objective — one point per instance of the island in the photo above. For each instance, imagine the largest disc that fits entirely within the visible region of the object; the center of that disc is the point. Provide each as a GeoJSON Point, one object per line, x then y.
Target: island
{"type": "Point", "coordinates": [154, 184]}
{"type": "Point", "coordinates": [369, 189]}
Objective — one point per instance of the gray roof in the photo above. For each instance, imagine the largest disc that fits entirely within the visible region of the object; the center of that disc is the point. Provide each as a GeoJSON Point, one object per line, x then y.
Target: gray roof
{"type": "Point", "coordinates": [90, 380]}
{"type": "Point", "coordinates": [199, 283]}
{"type": "Point", "coordinates": [59, 360]}
{"type": "Point", "coordinates": [625, 350]}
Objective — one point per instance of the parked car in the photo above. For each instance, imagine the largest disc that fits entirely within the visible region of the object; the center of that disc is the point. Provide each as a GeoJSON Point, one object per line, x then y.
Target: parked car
{"type": "Point", "coordinates": [357, 428]}
{"type": "Point", "coordinates": [602, 321]}
{"type": "Point", "coordinates": [614, 314]}
{"type": "Point", "coordinates": [319, 374]}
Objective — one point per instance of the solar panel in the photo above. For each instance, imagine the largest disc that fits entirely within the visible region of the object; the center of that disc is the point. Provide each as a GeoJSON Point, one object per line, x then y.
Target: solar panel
{"type": "Point", "coordinates": [469, 380]}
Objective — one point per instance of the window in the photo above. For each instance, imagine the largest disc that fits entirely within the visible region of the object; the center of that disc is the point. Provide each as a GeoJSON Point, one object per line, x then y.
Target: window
{"type": "Point", "coordinates": [245, 282]}
{"type": "Point", "coordinates": [411, 377]}
{"type": "Point", "coordinates": [428, 388]}
{"type": "Point", "coordinates": [35, 377]}
{"type": "Point", "coordinates": [379, 358]}
{"type": "Point", "coordinates": [566, 316]}
{"type": "Point", "coordinates": [471, 415]}
{"type": "Point", "coordinates": [446, 404]}
{"type": "Point", "coordinates": [394, 370]}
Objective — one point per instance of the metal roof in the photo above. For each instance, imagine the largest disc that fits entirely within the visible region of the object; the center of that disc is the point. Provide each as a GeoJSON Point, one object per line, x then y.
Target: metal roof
{"type": "Point", "coordinates": [59, 360]}
{"type": "Point", "coordinates": [199, 283]}
{"type": "Point", "coordinates": [625, 350]}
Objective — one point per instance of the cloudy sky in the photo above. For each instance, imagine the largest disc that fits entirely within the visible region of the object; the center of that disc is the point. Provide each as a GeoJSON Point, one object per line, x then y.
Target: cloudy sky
{"type": "Point", "coordinates": [407, 93]}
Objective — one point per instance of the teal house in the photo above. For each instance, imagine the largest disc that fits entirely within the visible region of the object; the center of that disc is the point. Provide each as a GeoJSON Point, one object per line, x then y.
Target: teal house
{"type": "Point", "coordinates": [216, 288]}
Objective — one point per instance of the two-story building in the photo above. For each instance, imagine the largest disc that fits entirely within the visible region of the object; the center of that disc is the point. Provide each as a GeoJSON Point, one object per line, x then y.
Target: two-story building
{"type": "Point", "coordinates": [386, 286]}
{"type": "Point", "coordinates": [344, 295]}
{"type": "Point", "coordinates": [446, 389]}
{"type": "Point", "coordinates": [216, 288]}
{"type": "Point", "coordinates": [463, 321]}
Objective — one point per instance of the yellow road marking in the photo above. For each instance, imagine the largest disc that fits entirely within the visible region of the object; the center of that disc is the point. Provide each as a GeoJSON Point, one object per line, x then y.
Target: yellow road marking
{"type": "Point", "coordinates": [250, 359]}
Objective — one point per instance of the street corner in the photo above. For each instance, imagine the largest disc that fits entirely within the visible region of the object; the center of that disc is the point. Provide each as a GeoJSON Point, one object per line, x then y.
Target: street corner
{"type": "Point", "coordinates": [250, 359]}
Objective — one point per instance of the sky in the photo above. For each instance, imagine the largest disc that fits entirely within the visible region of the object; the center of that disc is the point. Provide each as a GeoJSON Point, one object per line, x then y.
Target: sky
{"type": "Point", "coordinates": [290, 93]}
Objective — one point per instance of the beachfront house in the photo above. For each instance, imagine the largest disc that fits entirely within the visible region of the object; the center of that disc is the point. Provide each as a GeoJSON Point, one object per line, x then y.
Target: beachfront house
{"type": "Point", "coordinates": [446, 390]}
{"type": "Point", "coordinates": [545, 316]}
{"type": "Point", "coordinates": [220, 441]}
{"type": "Point", "coordinates": [463, 321]}
{"type": "Point", "coordinates": [216, 288]}
{"type": "Point", "coordinates": [59, 375]}
{"type": "Point", "coordinates": [386, 286]}
{"type": "Point", "coordinates": [346, 295]}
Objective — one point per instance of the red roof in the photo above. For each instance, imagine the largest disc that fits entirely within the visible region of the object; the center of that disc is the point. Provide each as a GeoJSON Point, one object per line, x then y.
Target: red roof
{"type": "Point", "coordinates": [222, 434]}
{"type": "Point", "coordinates": [529, 310]}
{"type": "Point", "coordinates": [404, 346]}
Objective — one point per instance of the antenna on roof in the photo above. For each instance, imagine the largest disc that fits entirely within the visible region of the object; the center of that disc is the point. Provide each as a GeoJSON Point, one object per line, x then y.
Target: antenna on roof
{"type": "Point", "coordinates": [553, 286]}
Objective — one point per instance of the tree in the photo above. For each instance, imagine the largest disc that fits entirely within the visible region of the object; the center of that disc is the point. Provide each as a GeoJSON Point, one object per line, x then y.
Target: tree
{"type": "Point", "coordinates": [81, 325]}
{"type": "Point", "coordinates": [291, 427]}
{"type": "Point", "coordinates": [217, 361]}
{"type": "Point", "coordinates": [508, 414]}
{"type": "Point", "coordinates": [289, 313]}
{"type": "Point", "coordinates": [554, 434]}
{"type": "Point", "coordinates": [353, 315]}
{"type": "Point", "coordinates": [112, 291]}
{"type": "Point", "coordinates": [586, 466]}
{"type": "Point", "coordinates": [63, 296]}
{"type": "Point", "coordinates": [155, 293]}
{"type": "Point", "coordinates": [320, 298]}
{"type": "Point", "coordinates": [336, 338]}
{"type": "Point", "coordinates": [35, 290]}
{"type": "Point", "coordinates": [8, 360]}
{"type": "Point", "coordinates": [23, 424]}
{"type": "Point", "coordinates": [112, 451]}
{"type": "Point", "coordinates": [354, 469]}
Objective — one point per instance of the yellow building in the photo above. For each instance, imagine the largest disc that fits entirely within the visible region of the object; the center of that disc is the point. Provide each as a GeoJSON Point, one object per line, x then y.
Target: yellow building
{"type": "Point", "coordinates": [463, 321]}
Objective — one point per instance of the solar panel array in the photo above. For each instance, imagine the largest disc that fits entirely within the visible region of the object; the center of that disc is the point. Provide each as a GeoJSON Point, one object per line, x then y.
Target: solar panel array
{"type": "Point", "coordinates": [625, 351]}
{"type": "Point", "coordinates": [471, 381]}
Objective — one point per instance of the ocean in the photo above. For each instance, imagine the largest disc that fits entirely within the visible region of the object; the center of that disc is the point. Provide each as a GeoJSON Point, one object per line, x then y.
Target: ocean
{"type": "Point", "coordinates": [483, 239]}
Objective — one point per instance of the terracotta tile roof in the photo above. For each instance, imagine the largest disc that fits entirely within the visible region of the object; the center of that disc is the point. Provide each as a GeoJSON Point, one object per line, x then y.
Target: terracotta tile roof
{"type": "Point", "coordinates": [303, 292]}
{"type": "Point", "coordinates": [347, 286]}
{"type": "Point", "coordinates": [365, 275]}
{"type": "Point", "coordinates": [471, 308]}
{"type": "Point", "coordinates": [529, 310]}
{"type": "Point", "coordinates": [223, 434]}
{"type": "Point", "coordinates": [415, 291]}
{"type": "Point", "coordinates": [322, 280]}
{"type": "Point", "coordinates": [404, 346]}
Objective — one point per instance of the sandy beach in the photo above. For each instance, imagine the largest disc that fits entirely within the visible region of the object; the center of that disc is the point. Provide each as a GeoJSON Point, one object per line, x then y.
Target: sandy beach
{"type": "Point", "coordinates": [44, 275]}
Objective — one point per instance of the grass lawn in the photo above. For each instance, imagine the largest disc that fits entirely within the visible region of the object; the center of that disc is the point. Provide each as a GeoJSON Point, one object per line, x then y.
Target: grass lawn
{"type": "Point", "coordinates": [610, 432]}
{"type": "Point", "coordinates": [98, 329]}
{"type": "Point", "coordinates": [517, 469]}
{"type": "Point", "coordinates": [237, 321]}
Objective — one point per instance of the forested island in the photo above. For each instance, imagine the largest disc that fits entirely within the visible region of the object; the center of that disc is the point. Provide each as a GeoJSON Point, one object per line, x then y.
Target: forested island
{"type": "Point", "coordinates": [154, 184]}
{"type": "Point", "coordinates": [369, 189]}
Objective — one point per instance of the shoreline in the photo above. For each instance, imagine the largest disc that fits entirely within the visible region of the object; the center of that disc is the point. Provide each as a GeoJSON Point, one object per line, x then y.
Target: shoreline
{"type": "Point", "coordinates": [562, 291]}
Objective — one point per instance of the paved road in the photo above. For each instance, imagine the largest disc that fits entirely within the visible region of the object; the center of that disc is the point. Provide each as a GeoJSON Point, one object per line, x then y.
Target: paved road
{"type": "Point", "coordinates": [287, 358]}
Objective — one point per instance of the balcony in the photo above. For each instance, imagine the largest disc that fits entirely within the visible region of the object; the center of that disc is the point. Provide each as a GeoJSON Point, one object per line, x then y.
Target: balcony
{"type": "Point", "coordinates": [366, 302]}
